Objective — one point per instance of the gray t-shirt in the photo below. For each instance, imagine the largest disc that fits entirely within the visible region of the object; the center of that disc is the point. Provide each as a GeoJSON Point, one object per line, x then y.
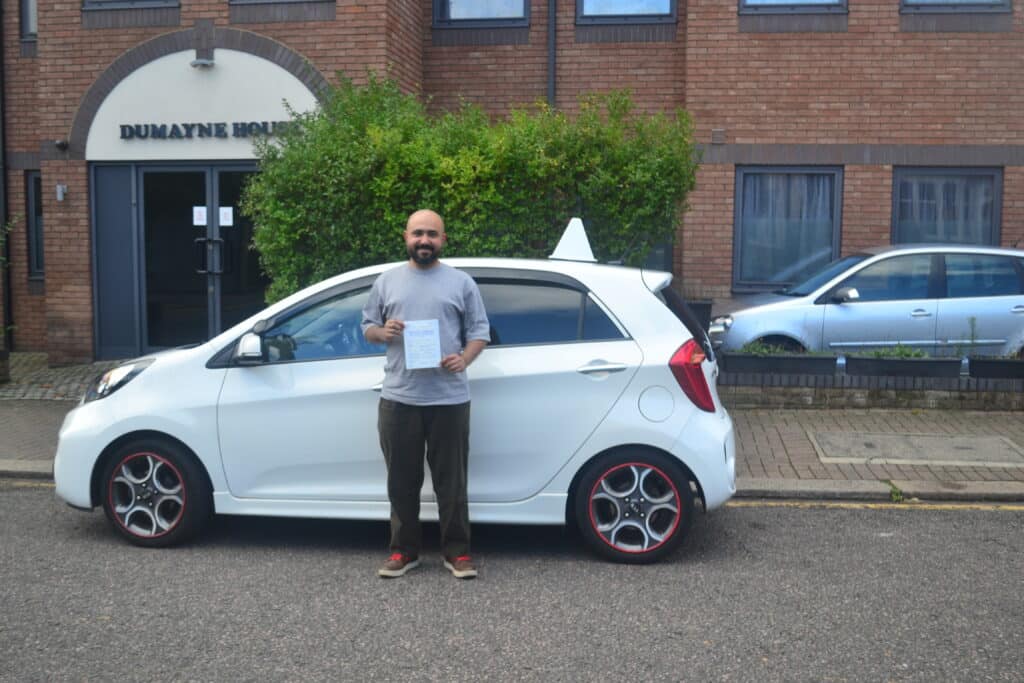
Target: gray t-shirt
{"type": "Point", "coordinates": [442, 293]}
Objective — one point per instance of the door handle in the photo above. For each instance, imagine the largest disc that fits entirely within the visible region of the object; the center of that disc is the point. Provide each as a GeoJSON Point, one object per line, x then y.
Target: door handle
{"type": "Point", "coordinates": [220, 247]}
{"type": "Point", "coordinates": [202, 251]}
{"type": "Point", "coordinates": [920, 313]}
{"type": "Point", "coordinates": [378, 387]}
{"type": "Point", "coordinates": [1017, 309]}
{"type": "Point", "coordinates": [600, 366]}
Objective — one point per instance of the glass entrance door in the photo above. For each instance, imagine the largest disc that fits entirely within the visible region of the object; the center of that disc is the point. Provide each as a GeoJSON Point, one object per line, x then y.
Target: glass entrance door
{"type": "Point", "coordinates": [242, 283]}
{"type": "Point", "coordinates": [177, 300]}
{"type": "Point", "coordinates": [200, 273]}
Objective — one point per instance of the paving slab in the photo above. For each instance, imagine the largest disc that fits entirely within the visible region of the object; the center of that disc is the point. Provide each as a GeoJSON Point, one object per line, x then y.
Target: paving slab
{"type": "Point", "coordinates": [915, 449]}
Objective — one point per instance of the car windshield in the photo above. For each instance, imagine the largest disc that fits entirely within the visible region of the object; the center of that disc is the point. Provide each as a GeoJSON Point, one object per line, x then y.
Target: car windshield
{"type": "Point", "coordinates": [824, 275]}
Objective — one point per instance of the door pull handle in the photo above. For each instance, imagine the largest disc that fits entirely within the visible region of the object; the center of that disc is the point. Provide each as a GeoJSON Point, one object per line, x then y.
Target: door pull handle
{"type": "Point", "coordinates": [920, 313]}
{"type": "Point", "coordinates": [378, 387]}
{"type": "Point", "coordinates": [1017, 309]}
{"type": "Point", "coordinates": [600, 366]}
{"type": "Point", "coordinates": [202, 252]}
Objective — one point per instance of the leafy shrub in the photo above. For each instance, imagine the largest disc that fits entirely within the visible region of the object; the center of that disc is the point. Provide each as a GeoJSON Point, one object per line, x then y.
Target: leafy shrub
{"type": "Point", "coordinates": [898, 351]}
{"type": "Point", "coordinates": [337, 186]}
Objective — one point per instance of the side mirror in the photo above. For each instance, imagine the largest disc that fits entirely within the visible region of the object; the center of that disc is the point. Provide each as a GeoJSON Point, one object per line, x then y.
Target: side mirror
{"type": "Point", "coordinates": [845, 295]}
{"type": "Point", "coordinates": [250, 350]}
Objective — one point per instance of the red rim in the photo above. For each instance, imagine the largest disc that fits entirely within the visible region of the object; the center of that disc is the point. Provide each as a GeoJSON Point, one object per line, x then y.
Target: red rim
{"type": "Point", "coordinates": [113, 507]}
{"type": "Point", "coordinates": [668, 534]}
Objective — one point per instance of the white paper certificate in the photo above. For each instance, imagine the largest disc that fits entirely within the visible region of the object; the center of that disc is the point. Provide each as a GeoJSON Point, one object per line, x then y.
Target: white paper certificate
{"type": "Point", "coordinates": [422, 344]}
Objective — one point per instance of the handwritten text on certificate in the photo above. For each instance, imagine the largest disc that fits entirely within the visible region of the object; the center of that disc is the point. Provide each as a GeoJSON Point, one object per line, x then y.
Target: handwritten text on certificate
{"type": "Point", "coordinates": [422, 344]}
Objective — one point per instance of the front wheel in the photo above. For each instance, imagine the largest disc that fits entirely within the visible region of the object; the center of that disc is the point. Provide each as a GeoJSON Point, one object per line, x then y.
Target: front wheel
{"type": "Point", "coordinates": [155, 494]}
{"type": "Point", "coordinates": [634, 507]}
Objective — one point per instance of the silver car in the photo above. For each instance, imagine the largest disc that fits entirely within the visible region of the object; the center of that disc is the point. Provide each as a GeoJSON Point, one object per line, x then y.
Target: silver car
{"type": "Point", "coordinates": [946, 300]}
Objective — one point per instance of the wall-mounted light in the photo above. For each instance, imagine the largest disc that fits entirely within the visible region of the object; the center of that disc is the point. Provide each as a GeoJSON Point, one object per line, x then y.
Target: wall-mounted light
{"type": "Point", "coordinates": [202, 63]}
{"type": "Point", "coordinates": [61, 145]}
{"type": "Point", "coordinates": [62, 191]}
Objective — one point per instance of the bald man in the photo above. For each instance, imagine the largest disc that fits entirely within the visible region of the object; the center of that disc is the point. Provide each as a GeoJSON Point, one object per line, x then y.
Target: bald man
{"type": "Point", "coordinates": [426, 408]}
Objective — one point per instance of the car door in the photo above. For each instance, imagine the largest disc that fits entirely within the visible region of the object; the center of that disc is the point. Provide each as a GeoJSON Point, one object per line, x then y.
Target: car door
{"type": "Point", "coordinates": [897, 305]}
{"type": "Point", "coordinates": [983, 310]}
{"type": "Point", "coordinates": [303, 425]}
{"type": "Point", "coordinates": [556, 364]}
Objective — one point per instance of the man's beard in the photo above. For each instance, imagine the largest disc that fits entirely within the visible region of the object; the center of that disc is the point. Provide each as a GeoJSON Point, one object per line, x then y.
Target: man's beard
{"type": "Point", "coordinates": [423, 259]}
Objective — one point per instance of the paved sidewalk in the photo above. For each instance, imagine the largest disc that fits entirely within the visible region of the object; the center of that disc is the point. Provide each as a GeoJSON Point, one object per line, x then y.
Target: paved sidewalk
{"type": "Point", "coordinates": [811, 454]}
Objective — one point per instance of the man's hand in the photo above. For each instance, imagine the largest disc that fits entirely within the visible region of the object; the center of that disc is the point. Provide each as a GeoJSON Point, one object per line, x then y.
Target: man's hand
{"type": "Point", "coordinates": [453, 362]}
{"type": "Point", "coordinates": [385, 334]}
{"type": "Point", "coordinates": [457, 362]}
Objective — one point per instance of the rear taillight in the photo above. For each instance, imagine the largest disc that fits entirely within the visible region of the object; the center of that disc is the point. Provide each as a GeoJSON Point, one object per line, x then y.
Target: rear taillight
{"type": "Point", "coordinates": [686, 366]}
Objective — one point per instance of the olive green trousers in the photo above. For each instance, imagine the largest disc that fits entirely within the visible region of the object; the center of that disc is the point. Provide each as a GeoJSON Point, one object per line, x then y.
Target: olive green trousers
{"type": "Point", "coordinates": [443, 431]}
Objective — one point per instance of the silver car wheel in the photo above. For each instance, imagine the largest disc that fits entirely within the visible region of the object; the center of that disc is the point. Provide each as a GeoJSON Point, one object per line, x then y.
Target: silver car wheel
{"type": "Point", "coordinates": [147, 495]}
{"type": "Point", "coordinates": [634, 507]}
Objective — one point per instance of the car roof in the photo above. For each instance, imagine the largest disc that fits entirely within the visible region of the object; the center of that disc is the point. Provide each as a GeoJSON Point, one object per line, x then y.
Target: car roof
{"type": "Point", "coordinates": [940, 247]}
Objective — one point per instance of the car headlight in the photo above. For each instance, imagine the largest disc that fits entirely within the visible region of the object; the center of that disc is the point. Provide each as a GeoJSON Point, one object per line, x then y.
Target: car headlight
{"type": "Point", "coordinates": [720, 324]}
{"type": "Point", "coordinates": [112, 380]}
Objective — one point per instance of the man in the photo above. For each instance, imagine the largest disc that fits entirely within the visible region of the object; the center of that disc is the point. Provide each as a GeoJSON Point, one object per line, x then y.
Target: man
{"type": "Point", "coordinates": [427, 406]}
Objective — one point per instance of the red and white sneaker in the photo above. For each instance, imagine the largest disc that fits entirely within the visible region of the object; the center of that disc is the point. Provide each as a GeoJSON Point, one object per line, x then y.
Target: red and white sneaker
{"type": "Point", "coordinates": [461, 567]}
{"type": "Point", "coordinates": [397, 565]}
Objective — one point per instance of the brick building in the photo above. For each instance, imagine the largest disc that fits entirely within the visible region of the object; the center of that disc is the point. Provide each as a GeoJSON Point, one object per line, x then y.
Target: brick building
{"type": "Point", "coordinates": [825, 125]}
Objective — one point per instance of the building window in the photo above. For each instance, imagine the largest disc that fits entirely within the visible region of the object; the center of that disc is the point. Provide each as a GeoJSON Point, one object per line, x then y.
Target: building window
{"type": "Point", "coordinates": [961, 6]}
{"type": "Point", "coordinates": [625, 11]}
{"type": "Point", "coordinates": [28, 19]}
{"type": "Point", "coordinates": [791, 6]}
{"type": "Point", "coordinates": [786, 224]}
{"type": "Point", "coordinates": [126, 4]}
{"type": "Point", "coordinates": [481, 13]}
{"type": "Point", "coordinates": [958, 205]}
{"type": "Point", "coordinates": [34, 223]}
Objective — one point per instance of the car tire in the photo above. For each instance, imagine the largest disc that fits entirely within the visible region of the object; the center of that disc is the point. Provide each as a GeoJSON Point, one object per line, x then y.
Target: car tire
{"type": "Point", "coordinates": [155, 494]}
{"type": "Point", "coordinates": [634, 506]}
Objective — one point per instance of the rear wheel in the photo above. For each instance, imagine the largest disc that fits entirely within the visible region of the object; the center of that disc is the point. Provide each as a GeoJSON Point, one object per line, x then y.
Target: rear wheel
{"type": "Point", "coordinates": [634, 506]}
{"type": "Point", "coordinates": [785, 343]}
{"type": "Point", "coordinates": [155, 494]}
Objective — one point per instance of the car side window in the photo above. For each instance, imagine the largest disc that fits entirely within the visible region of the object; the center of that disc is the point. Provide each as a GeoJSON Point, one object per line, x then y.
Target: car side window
{"type": "Point", "coordinates": [970, 275]}
{"type": "Point", "coordinates": [893, 279]}
{"type": "Point", "coordinates": [596, 323]}
{"type": "Point", "coordinates": [541, 313]}
{"type": "Point", "coordinates": [328, 329]}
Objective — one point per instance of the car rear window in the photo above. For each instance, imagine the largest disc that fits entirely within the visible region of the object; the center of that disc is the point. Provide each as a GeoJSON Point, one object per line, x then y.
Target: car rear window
{"type": "Point", "coordinates": [542, 313]}
{"type": "Point", "coordinates": [974, 275]}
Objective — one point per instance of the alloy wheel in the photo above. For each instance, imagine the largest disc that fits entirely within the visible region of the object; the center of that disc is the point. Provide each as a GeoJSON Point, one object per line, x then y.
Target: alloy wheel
{"type": "Point", "coordinates": [634, 507]}
{"type": "Point", "coordinates": [147, 495]}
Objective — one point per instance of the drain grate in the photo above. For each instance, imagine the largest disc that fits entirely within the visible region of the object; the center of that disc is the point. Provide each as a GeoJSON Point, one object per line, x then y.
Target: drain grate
{"type": "Point", "coordinates": [916, 449]}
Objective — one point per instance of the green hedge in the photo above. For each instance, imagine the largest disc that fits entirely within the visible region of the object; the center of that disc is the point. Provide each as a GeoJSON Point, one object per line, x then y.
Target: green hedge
{"type": "Point", "coordinates": [337, 186]}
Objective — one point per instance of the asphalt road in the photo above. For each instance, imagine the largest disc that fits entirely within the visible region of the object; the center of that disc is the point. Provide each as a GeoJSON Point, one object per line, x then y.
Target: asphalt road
{"type": "Point", "coordinates": [759, 593]}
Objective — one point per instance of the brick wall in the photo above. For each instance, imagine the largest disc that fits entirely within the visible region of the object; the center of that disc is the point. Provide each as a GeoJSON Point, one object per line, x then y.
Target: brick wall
{"type": "Point", "coordinates": [68, 264]}
{"type": "Point", "coordinates": [29, 310]}
{"type": "Point", "coordinates": [404, 30]}
{"type": "Point", "coordinates": [1013, 207]}
{"type": "Point", "coordinates": [871, 84]}
{"type": "Point", "coordinates": [867, 207]}
{"type": "Point", "coordinates": [704, 247]}
{"type": "Point", "coordinates": [502, 77]}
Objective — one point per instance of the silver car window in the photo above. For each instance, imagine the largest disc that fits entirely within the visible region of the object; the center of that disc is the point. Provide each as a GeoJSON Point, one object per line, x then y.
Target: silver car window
{"type": "Point", "coordinates": [893, 279]}
{"type": "Point", "coordinates": [328, 329]}
{"type": "Point", "coordinates": [972, 275]}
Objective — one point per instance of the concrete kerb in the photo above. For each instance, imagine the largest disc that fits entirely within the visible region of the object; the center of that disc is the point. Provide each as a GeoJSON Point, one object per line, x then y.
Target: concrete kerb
{"type": "Point", "coordinates": [879, 491]}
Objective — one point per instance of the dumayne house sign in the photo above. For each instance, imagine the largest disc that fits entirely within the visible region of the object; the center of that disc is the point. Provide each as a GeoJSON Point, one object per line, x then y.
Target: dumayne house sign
{"type": "Point", "coordinates": [189, 131]}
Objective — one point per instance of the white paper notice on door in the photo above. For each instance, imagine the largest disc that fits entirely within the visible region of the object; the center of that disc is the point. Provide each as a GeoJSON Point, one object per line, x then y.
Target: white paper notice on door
{"type": "Point", "coordinates": [227, 216]}
{"type": "Point", "coordinates": [422, 344]}
{"type": "Point", "coordinates": [198, 215]}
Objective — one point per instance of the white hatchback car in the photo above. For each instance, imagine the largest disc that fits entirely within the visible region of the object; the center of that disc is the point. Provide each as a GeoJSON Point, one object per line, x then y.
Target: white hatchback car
{"type": "Point", "coordinates": [595, 404]}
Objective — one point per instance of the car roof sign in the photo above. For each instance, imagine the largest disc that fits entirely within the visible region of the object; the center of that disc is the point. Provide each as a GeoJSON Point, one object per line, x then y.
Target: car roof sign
{"type": "Point", "coordinates": [574, 245]}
